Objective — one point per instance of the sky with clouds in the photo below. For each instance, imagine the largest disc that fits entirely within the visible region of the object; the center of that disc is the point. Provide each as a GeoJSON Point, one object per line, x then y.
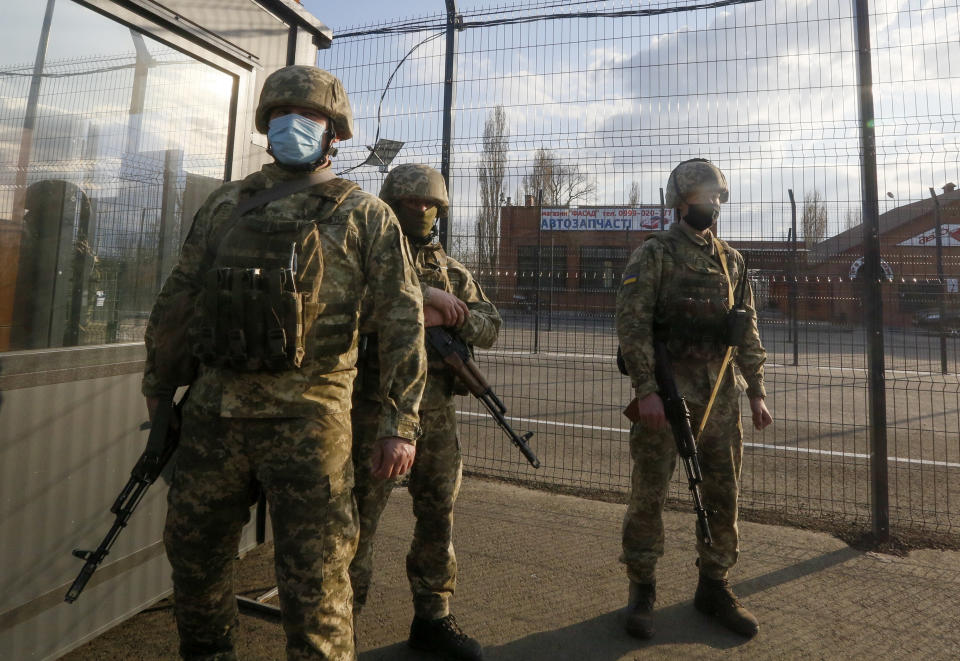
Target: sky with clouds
{"type": "Point", "coordinates": [767, 89]}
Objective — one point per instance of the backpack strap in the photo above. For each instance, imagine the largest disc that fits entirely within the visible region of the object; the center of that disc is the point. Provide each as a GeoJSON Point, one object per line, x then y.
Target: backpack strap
{"type": "Point", "coordinates": [333, 193]}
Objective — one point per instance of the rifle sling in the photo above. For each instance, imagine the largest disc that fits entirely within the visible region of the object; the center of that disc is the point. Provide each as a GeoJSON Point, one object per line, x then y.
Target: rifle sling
{"type": "Point", "coordinates": [726, 357]}
{"type": "Point", "coordinates": [271, 194]}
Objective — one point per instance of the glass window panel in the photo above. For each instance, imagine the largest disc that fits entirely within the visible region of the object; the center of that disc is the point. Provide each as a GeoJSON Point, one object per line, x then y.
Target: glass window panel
{"type": "Point", "coordinates": [602, 267]}
{"type": "Point", "coordinates": [551, 265]}
{"type": "Point", "coordinates": [104, 158]}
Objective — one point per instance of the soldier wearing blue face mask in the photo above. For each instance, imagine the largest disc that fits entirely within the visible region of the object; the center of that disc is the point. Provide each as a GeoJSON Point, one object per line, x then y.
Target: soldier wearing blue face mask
{"type": "Point", "coordinates": [273, 270]}
{"type": "Point", "coordinates": [301, 114]}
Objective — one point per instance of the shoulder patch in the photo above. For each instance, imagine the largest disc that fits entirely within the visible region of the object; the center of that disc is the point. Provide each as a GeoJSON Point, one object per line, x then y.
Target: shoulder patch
{"type": "Point", "coordinates": [629, 279]}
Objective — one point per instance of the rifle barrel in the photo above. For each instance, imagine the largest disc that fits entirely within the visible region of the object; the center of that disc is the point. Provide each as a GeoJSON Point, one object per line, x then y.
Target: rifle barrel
{"type": "Point", "coordinates": [456, 355]}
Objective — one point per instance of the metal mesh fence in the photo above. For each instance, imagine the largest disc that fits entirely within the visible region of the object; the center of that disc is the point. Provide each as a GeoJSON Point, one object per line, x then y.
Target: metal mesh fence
{"type": "Point", "coordinates": [590, 105]}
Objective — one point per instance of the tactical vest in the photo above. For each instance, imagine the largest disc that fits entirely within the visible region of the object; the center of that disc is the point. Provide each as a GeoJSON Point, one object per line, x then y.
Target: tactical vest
{"type": "Point", "coordinates": [692, 308]}
{"type": "Point", "coordinates": [260, 293]}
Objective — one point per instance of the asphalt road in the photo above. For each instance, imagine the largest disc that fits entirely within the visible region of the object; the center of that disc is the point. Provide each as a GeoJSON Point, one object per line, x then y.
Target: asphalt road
{"type": "Point", "coordinates": [814, 461]}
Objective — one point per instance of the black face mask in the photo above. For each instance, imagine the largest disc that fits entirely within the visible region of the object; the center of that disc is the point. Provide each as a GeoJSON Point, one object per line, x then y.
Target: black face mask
{"type": "Point", "coordinates": [701, 216]}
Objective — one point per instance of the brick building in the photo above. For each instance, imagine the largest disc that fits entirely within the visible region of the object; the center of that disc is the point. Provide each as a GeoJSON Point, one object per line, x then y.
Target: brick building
{"type": "Point", "coordinates": [573, 258]}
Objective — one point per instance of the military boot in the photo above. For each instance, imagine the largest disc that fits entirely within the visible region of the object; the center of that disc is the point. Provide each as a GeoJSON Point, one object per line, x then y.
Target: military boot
{"type": "Point", "coordinates": [443, 637]}
{"type": "Point", "coordinates": [714, 597]}
{"type": "Point", "coordinates": [640, 609]}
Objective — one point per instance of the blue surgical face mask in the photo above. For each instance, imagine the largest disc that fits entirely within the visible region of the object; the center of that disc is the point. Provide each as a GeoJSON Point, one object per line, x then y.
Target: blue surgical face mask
{"type": "Point", "coordinates": [296, 140]}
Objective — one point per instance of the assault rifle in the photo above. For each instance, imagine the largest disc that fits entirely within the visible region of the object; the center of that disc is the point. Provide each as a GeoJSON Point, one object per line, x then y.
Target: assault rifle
{"type": "Point", "coordinates": [675, 408]}
{"type": "Point", "coordinates": [456, 355]}
{"type": "Point", "coordinates": [163, 440]}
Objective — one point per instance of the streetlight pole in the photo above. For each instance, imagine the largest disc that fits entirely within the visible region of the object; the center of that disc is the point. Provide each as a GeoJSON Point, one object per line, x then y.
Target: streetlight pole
{"type": "Point", "coordinates": [454, 23]}
{"type": "Point", "coordinates": [872, 278]}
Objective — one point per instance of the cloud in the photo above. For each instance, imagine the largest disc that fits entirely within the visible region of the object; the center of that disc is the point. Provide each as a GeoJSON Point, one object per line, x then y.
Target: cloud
{"type": "Point", "coordinates": [768, 90]}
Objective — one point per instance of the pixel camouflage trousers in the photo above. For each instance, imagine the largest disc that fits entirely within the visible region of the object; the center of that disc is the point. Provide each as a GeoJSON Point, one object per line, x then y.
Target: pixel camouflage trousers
{"type": "Point", "coordinates": [304, 468]}
{"type": "Point", "coordinates": [654, 456]}
{"type": "Point", "coordinates": [434, 484]}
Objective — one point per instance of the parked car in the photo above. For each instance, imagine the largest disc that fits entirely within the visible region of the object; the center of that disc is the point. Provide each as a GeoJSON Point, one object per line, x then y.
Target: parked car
{"type": "Point", "coordinates": [930, 320]}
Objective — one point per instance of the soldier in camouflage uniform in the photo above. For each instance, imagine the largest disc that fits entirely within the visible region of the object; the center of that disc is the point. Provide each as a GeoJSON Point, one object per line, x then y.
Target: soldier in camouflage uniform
{"type": "Point", "coordinates": [451, 298]}
{"type": "Point", "coordinates": [271, 402]}
{"type": "Point", "coordinates": [674, 288]}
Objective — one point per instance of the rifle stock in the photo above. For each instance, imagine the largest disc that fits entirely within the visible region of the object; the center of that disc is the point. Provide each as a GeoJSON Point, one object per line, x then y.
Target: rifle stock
{"type": "Point", "coordinates": [161, 443]}
{"type": "Point", "coordinates": [456, 355]}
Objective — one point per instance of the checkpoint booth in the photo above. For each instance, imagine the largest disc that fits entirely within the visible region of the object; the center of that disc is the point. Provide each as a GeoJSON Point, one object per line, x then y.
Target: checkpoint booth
{"type": "Point", "coordinates": [119, 118]}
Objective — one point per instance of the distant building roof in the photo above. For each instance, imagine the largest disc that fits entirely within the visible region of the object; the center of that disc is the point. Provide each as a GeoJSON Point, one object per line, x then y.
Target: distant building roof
{"type": "Point", "coordinates": [889, 221]}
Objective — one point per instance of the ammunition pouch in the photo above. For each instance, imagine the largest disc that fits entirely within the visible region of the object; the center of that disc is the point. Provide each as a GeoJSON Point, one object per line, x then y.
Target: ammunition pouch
{"type": "Point", "coordinates": [252, 320]}
{"type": "Point", "coordinates": [260, 297]}
{"type": "Point", "coordinates": [737, 327]}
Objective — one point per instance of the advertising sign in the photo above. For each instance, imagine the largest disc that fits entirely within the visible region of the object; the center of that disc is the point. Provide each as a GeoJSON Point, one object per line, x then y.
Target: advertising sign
{"type": "Point", "coordinates": [604, 219]}
{"type": "Point", "coordinates": [949, 236]}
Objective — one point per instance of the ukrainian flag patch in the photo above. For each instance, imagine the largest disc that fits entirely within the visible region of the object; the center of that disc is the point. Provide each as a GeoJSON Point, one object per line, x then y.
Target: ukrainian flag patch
{"type": "Point", "coordinates": [629, 279]}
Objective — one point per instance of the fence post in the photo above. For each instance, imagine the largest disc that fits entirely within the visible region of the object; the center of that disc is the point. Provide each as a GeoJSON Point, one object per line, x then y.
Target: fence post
{"type": "Point", "coordinates": [449, 74]}
{"type": "Point", "coordinates": [536, 308]}
{"type": "Point", "coordinates": [872, 279]}
{"type": "Point", "coordinates": [794, 267]}
{"type": "Point", "coordinates": [943, 283]}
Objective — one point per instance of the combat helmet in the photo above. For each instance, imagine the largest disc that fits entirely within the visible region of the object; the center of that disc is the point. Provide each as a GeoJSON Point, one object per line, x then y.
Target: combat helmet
{"type": "Point", "coordinates": [691, 175]}
{"type": "Point", "coordinates": [310, 87]}
{"type": "Point", "coordinates": [416, 181]}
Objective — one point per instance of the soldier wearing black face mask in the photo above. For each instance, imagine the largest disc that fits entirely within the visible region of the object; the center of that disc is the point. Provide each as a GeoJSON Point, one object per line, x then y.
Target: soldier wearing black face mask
{"type": "Point", "coordinates": [679, 288]}
{"type": "Point", "coordinates": [453, 299]}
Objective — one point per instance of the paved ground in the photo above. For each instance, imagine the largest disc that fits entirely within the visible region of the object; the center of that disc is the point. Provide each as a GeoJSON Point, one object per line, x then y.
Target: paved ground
{"type": "Point", "coordinates": [539, 579]}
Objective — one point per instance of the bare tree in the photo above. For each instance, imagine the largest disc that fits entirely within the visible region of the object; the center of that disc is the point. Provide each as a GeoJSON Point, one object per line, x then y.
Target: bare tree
{"type": "Point", "coordinates": [490, 172]}
{"type": "Point", "coordinates": [634, 194]}
{"type": "Point", "coordinates": [541, 175]}
{"type": "Point", "coordinates": [562, 183]}
{"type": "Point", "coordinates": [852, 219]}
{"type": "Point", "coordinates": [814, 218]}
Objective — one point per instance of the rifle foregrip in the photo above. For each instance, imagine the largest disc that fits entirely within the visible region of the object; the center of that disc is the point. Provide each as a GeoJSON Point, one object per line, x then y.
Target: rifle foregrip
{"type": "Point", "coordinates": [464, 373]}
{"type": "Point", "coordinates": [477, 374]}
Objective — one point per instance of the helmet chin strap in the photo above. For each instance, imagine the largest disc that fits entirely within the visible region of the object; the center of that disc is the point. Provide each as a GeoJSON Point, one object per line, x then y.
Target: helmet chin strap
{"type": "Point", "coordinates": [425, 240]}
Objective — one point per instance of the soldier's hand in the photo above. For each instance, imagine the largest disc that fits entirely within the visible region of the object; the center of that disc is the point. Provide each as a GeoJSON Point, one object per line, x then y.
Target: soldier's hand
{"type": "Point", "coordinates": [452, 310]}
{"type": "Point", "coordinates": [650, 411]}
{"type": "Point", "coordinates": [393, 457]}
{"type": "Point", "coordinates": [761, 416]}
{"type": "Point", "coordinates": [432, 317]}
